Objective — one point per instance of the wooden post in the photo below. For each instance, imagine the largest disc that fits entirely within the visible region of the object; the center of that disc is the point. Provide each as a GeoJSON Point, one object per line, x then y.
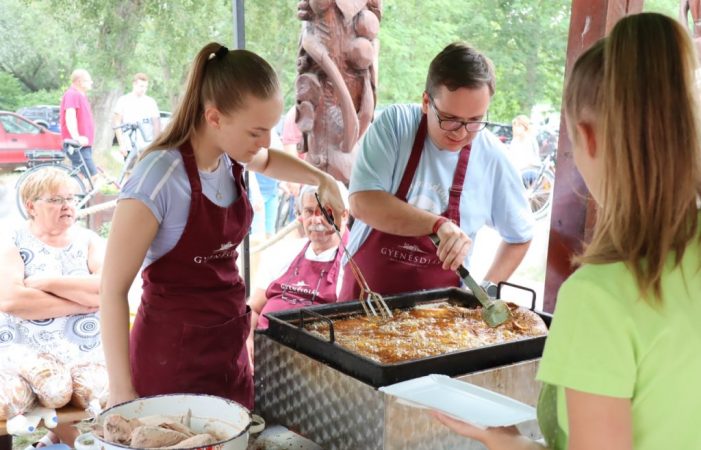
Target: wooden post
{"type": "Point", "coordinates": [573, 210]}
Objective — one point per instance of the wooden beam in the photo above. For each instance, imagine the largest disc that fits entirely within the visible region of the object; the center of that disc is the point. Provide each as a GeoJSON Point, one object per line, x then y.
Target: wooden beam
{"type": "Point", "coordinates": [573, 210]}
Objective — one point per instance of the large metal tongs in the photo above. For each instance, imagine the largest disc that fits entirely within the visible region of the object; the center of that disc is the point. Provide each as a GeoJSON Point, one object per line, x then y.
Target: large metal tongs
{"type": "Point", "coordinates": [494, 311]}
{"type": "Point", "coordinates": [367, 296]}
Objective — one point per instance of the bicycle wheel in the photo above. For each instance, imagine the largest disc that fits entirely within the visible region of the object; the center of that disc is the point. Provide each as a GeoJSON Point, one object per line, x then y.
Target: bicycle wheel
{"type": "Point", "coordinates": [75, 174]}
{"type": "Point", "coordinates": [539, 191]}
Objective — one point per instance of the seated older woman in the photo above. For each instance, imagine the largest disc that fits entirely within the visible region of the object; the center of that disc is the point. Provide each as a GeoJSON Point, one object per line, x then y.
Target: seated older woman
{"type": "Point", "coordinates": [49, 278]}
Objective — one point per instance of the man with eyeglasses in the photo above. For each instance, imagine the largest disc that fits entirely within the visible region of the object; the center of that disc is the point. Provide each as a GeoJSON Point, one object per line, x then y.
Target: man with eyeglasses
{"type": "Point", "coordinates": [308, 275]}
{"type": "Point", "coordinates": [434, 169]}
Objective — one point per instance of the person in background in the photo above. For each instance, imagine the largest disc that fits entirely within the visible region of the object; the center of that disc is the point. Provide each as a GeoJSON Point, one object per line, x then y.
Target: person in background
{"type": "Point", "coordinates": [182, 215]}
{"type": "Point", "coordinates": [622, 353]}
{"type": "Point", "coordinates": [77, 121]}
{"type": "Point", "coordinates": [291, 134]}
{"type": "Point", "coordinates": [291, 137]}
{"type": "Point", "coordinates": [255, 197]}
{"type": "Point", "coordinates": [264, 222]}
{"type": "Point", "coordinates": [269, 191]}
{"type": "Point", "coordinates": [523, 148]}
{"type": "Point", "coordinates": [136, 108]}
{"type": "Point", "coordinates": [693, 7]}
{"type": "Point", "coordinates": [304, 274]}
{"type": "Point", "coordinates": [434, 169]}
{"type": "Point", "coordinates": [49, 280]}
{"type": "Point", "coordinates": [307, 277]}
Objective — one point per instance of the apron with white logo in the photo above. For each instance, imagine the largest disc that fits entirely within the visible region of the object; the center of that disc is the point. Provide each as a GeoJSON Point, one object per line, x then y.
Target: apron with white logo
{"type": "Point", "coordinates": [305, 283]}
{"type": "Point", "coordinates": [394, 264]}
{"type": "Point", "coordinates": [191, 327]}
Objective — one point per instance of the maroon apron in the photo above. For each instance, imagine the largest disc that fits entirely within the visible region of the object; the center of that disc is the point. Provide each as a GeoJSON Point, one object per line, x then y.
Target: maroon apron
{"type": "Point", "coordinates": [304, 283]}
{"type": "Point", "coordinates": [393, 264]}
{"type": "Point", "coordinates": [191, 327]}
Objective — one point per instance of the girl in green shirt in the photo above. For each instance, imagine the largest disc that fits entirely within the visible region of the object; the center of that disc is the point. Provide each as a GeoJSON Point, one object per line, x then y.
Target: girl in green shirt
{"type": "Point", "coordinates": [621, 365]}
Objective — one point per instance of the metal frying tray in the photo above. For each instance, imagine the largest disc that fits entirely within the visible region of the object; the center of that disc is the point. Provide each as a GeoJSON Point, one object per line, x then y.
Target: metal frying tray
{"type": "Point", "coordinates": [287, 328]}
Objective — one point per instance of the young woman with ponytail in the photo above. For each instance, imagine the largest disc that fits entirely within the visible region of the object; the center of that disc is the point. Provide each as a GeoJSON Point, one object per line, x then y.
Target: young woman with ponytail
{"type": "Point", "coordinates": [180, 218]}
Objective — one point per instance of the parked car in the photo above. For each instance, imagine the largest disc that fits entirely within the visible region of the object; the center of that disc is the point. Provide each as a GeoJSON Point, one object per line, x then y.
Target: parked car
{"type": "Point", "coordinates": [503, 131]}
{"type": "Point", "coordinates": [19, 135]}
{"type": "Point", "coordinates": [45, 115]}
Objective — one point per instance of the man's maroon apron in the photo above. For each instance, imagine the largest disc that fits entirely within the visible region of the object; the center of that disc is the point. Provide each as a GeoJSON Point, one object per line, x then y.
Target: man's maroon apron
{"type": "Point", "coordinates": [304, 283]}
{"type": "Point", "coordinates": [393, 264]}
{"type": "Point", "coordinates": [190, 330]}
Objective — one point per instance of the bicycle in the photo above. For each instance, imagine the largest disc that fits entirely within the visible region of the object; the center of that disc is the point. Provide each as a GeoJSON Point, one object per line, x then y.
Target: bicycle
{"type": "Point", "coordinates": [539, 183]}
{"type": "Point", "coordinates": [87, 186]}
{"type": "Point", "coordinates": [134, 150]}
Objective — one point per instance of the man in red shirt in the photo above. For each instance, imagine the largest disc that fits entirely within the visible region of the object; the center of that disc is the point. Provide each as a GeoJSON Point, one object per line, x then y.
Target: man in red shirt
{"type": "Point", "coordinates": [77, 121]}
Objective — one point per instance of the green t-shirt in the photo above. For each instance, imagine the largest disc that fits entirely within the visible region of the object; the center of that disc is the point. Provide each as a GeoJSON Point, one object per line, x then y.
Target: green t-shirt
{"type": "Point", "coordinates": [606, 340]}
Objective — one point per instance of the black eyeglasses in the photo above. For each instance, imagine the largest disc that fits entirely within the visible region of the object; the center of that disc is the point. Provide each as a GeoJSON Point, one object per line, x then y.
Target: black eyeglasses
{"type": "Point", "coordinates": [471, 126]}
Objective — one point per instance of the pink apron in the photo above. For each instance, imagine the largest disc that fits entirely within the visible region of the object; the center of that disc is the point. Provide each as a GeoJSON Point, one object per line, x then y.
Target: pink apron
{"type": "Point", "coordinates": [305, 283]}
{"type": "Point", "coordinates": [394, 264]}
{"type": "Point", "coordinates": [190, 330]}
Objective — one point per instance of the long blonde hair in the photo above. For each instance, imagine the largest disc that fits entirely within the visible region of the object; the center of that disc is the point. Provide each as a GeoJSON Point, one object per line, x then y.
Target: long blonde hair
{"type": "Point", "coordinates": [638, 88]}
{"type": "Point", "coordinates": [222, 78]}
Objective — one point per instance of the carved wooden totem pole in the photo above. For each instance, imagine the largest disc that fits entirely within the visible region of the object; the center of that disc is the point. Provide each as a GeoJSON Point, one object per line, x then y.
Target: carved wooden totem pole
{"type": "Point", "coordinates": [693, 7]}
{"type": "Point", "coordinates": [337, 77]}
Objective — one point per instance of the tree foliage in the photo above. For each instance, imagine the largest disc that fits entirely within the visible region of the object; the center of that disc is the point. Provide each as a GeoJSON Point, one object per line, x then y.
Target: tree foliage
{"type": "Point", "coordinates": [526, 40]}
{"type": "Point", "coordinates": [42, 41]}
{"type": "Point", "coordinates": [28, 43]}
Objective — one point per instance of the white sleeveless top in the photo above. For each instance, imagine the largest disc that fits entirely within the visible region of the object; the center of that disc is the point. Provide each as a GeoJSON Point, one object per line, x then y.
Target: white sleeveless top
{"type": "Point", "coordinates": [70, 338]}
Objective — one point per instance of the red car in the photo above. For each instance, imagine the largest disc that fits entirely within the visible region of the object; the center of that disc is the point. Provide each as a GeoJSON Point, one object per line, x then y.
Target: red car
{"type": "Point", "coordinates": [19, 135]}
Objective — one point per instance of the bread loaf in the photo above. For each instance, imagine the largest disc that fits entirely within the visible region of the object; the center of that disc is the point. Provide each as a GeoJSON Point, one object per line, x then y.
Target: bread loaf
{"type": "Point", "coordinates": [89, 383]}
{"type": "Point", "coordinates": [16, 395]}
{"type": "Point", "coordinates": [50, 379]}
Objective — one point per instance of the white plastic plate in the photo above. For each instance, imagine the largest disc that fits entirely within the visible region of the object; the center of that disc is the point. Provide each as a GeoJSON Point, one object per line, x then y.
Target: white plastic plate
{"type": "Point", "coordinates": [464, 401]}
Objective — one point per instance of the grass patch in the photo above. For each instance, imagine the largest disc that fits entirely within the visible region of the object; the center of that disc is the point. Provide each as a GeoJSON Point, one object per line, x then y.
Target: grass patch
{"type": "Point", "coordinates": [20, 442]}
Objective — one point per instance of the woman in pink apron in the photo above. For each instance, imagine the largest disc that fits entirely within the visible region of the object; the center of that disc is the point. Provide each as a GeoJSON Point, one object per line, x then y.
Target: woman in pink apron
{"type": "Point", "coordinates": [311, 278]}
{"type": "Point", "coordinates": [181, 217]}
